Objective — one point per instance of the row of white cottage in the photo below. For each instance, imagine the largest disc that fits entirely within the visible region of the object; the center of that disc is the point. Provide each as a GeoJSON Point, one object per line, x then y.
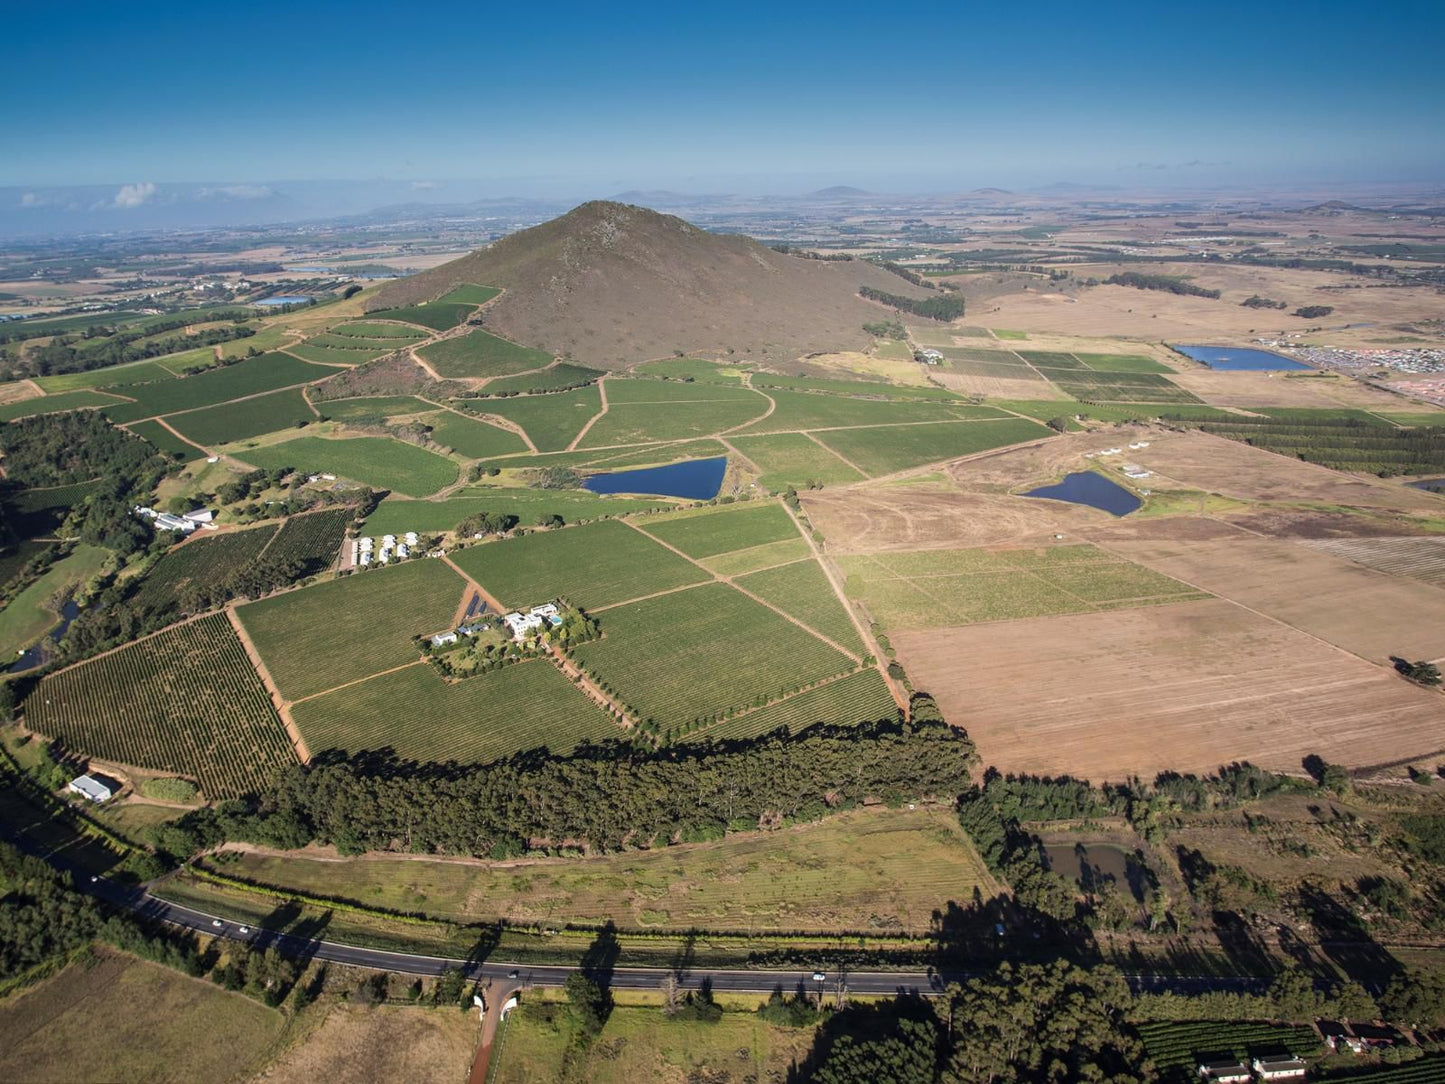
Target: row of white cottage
{"type": "Point", "coordinates": [364, 549]}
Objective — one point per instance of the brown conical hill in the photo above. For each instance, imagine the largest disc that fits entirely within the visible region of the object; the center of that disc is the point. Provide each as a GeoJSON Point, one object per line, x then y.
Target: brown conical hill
{"type": "Point", "coordinates": [614, 284]}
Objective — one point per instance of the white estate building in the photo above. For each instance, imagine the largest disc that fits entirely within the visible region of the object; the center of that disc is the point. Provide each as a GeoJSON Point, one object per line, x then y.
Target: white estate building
{"type": "Point", "coordinates": [87, 786]}
{"type": "Point", "coordinates": [523, 623]}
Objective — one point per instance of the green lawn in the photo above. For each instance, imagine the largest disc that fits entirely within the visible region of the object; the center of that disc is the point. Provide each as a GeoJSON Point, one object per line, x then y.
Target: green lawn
{"type": "Point", "coordinates": [894, 448]}
{"type": "Point", "coordinates": [550, 420]}
{"type": "Point", "coordinates": [27, 616]}
{"type": "Point", "coordinates": [794, 459]}
{"type": "Point", "coordinates": [244, 419]}
{"type": "Point", "coordinates": [706, 533]}
{"type": "Point", "coordinates": [685, 656]}
{"type": "Point", "coordinates": [476, 720]}
{"type": "Point", "coordinates": [599, 564]}
{"type": "Point", "coordinates": [268, 372]}
{"type": "Point", "coordinates": [482, 354]}
{"type": "Point", "coordinates": [379, 462]}
{"type": "Point", "coordinates": [323, 636]}
{"type": "Point", "coordinates": [472, 438]}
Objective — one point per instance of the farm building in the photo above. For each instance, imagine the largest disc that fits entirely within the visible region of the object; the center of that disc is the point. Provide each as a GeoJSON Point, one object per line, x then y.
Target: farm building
{"type": "Point", "coordinates": [523, 623]}
{"type": "Point", "coordinates": [1225, 1072]}
{"type": "Point", "coordinates": [88, 786]}
{"type": "Point", "coordinates": [441, 639]}
{"type": "Point", "coordinates": [167, 522]}
{"type": "Point", "coordinates": [1281, 1068]}
{"type": "Point", "coordinates": [200, 515]}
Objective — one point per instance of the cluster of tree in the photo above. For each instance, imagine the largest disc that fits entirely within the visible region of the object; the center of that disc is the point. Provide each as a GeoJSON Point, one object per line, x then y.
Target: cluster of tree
{"type": "Point", "coordinates": [89, 351]}
{"type": "Point", "coordinates": [1256, 302]}
{"type": "Point", "coordinates": [553, 478]}
{"type": "Point", "coordinates": [812, 254]}
{"type": "Point", "coordinates": [486, 523]}
{"type": "Point", "coordinates": [1314, 312]}
{"type": "Point", "coordinates": [1168, 283]}
{"type": "Point", "coordinates": [609, 796]}
{"type": "Point", "coordinates": [906, 274]}
{"type": "Point", "coordinates": [932, 308]}
{"type": "Point", "coordinates": [61, 449]}
{"type": "Point", "coordinates": [1347, 444]}
{"type": "Point", "coordinates": [252, 484]}
{"type": "Point", "coordinates": [267, 975]}
{"type": "Point", "coordinates": [886, 329]}
{"type": "Point", "coordinates": [1421, 672]}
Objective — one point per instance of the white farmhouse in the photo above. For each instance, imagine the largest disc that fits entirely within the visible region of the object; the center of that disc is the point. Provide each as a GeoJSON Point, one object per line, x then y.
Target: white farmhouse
{"type": "Point", "coordinates": [87, 786]}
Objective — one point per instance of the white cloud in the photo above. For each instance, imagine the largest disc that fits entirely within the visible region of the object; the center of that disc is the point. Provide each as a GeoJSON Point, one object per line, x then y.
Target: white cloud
{"type": "Point", "coordinates": [30, 199]}
{"type": "Point", "coordinates": [237, 191]}
{"type": "Point", "coordinates": [426, 184]}
{"type": "Point", "coordinates": [133, 195]}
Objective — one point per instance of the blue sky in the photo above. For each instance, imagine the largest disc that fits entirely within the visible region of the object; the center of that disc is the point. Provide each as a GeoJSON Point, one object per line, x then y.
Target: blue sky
{"type": "Point", "coordinates": [723, 97]}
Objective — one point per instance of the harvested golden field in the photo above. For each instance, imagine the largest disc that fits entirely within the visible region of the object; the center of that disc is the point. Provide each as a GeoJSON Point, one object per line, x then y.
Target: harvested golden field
{"type": "Point", "coordinates": [999, 387]}
{"type": "Point", "coordinates": [1246, 389]}
{"type": "Point", "coordinates": [1367, 613]}
{"type": "Point", "coordinates": [1184, 687]}
{"type": "Point", "coordinates": [357, 1044]}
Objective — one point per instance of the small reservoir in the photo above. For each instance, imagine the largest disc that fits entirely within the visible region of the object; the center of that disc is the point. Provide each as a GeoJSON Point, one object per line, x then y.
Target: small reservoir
{"type": "Point", "coordinates": [1086, 487]}
{"type": "Point", "coordinates": [692, 479]}
{"type": "Point", "coordinates": [1429, 485]}
{"type": "Point", "coordinates": [1239, 358]}
{"type": "Point", "coordinates": [40, 654]}
{"type": "Point", "coordinates": [1088, 863]}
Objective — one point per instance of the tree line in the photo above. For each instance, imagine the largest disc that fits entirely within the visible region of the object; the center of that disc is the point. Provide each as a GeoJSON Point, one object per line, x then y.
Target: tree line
{"type": "Point", "coordinates": [1167, 283]}
{"type": "Point", "coordinates": [943, 309]}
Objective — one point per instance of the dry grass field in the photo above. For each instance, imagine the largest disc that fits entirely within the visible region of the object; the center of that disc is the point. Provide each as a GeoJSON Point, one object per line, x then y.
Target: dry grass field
{"type": "Point", "coordinates": [1187, 687]}
{"type": "Point", "coordinates": [1418, 558]}
{"type": "Point", "coordinates": [1367, 613]}
{"type": "Point", "coordinates": [357, 1044]}
{"type": "Point", "coordinates": [1246, 389]}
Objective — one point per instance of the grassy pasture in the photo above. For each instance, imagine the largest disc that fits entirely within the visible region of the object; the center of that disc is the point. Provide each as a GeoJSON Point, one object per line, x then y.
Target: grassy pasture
{"type": "Point", "coordinates": [379, 462]}
{"type": "Point", "coordinates": [482, 354]}
{"type": "Point", "coordinates": [472, 438]}
{"type": "Point", "coordinates": [476, 720]}
{"type": "Point", "coordinates": [708, 533]}
{"type": "Point", "coordinates": [185, 700]}
{"type": "Point", "coordinates": [741, 562]}
{"type": "Point", "coordinates": [244, 419]}
{"type": "Point", "coordinates": [397, 515]}
{"type": "Point", "coordinates": [662, 655]}
{"type": "Point", "coordinates": [350, 628]}
{"type": "Point", "coordinates": [201, 559]}
{"type": "Point", "coordinates": [54, 404]}
{"type": "Point", "coordinates": [135, 372]}
{"type": "Point", "coordinates": [554, 378]}
{"type": "Point", "coordinates": [157, 434]}
{"type": "Point", "coordinates": [936, 588]}
{"type": "Point", "coordinates": [701, 372]}
{"type": "Point", "coordinates": [596, 565]}
{"type": "Point", "coordinates": [363, 330]}
{"type": "Point", "coordinates": [860, 697]}
{"type": "Point", "coordinates": [810, 410]}
{"type": "Point", "coordinates": [832, 874]}
{"type": "Point", "coordinates": [803, 590]}
{"type": "Point", "coordinates": [885, 449]}
{"type": "Point", "coordinates": [794, 459]}
{"type": "Point", "coordinates": [253, 376]}
{"type": "Point", "coordinates": [82, 1024]}
{"type": "Point", "coordinates": [550, 420]}
{"type": "Point", "coordinates": [373, 406]}
{"type": "Point", "coordinates": [437, 315]}
{"type": "Point", "coordinates": [28, 615]}
{"type": "Point", "coordinates": [641, 423]}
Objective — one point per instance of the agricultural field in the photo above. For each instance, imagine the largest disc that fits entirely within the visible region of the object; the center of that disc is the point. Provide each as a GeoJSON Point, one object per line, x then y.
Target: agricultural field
{"type": "Point", "coordinates": [551, 421]}
{"type": "Point", "coordinates": [29, 615]}
{"type": "Point", "coordinates": [794, 459]}
{"type": "Point", "coordinates": [1178, 1048]}
{"type": "Point", "coordinates": [885, 449]}
{"type": "Point", "coordinates": [709, 532]}
{"type": "Point", "coordinates": [200, 559]}
{"type": "Point", "coordinates": [641, 423]}
{"type": "Point", "coordinates": [1418, 558]}
{"type": "Point", "coordinates": [314, 539]}
{"type": "Point", "coordinates": [861, 697]}
{"type": "Point", "coordinates": [803, 590]}
{"type": "Point", "coordinates": [360, 329]}
{"type": "Point", "coordinates": [1184, 688]}
{"type": "Point", "coordinates": [379, 407]}
{"type": "Point", "coordinates": [653, 455]}
{"type": "Point", "coordinates": [185, 700]}
{"type": "Point", "coordinates": [873, 388]}
{"type": "Point", "coordinates": [134, 372]}
{"type": "Point", "coordinates": [1341, 443]}
{"type": "Point", "coordinates": [558, 377]}
{"type": "Point", "coordinates": [813, 410]}
{"type": "Point", "coordinates": [32, 513]}
{"type": "Point", "coordinates": [244, 419]}
{"type": "Point", "coordinates": [661, 654]}
{"type": "Point", "coordinates": [480, 354]}
{"type": "Point", "coordinates": [82, 1023]}
{"type": "Point", "coordinates": [741, 562]}
{"type": "Point", "coordinates": [1122, 363]}
{"type": "Point", "coordinates": [437, 315]}
{"type": "Point", "coordinates": [54, 404]}
{"type": "Point", "coordinates": [360, 1044]}
{"type": "Point", "coordinates": [600, 564]}
{"type": "Point", "coordinates": [621, 389]}
{"type": "Point", "coordinates": [379, 462]}
{"type": "Point", "coordinates": [269, 372]}
{"type": "Point", "coordinates": [469, 293]}
{"type": "Point", "coordinates": [341, 351]}
{"type": "Point", "coordinates": [684, 369]}
{"type": "Point", "coordinates": [157, 434]}
{"type": "Point", "coordinates": [862, 870]}
{"type": "Point", "coordinates": [472, 438]}
{"type": "Point", "coordinates": [941, 588]}
{"type": "Point", "coordinates": [397, 515]}
{"type": "Point", "coordinates": [350, 628]}
{"type": "Point", "coordinates": [475, 720]}
{"type": "Point", "coordinates": [1119, 387]}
